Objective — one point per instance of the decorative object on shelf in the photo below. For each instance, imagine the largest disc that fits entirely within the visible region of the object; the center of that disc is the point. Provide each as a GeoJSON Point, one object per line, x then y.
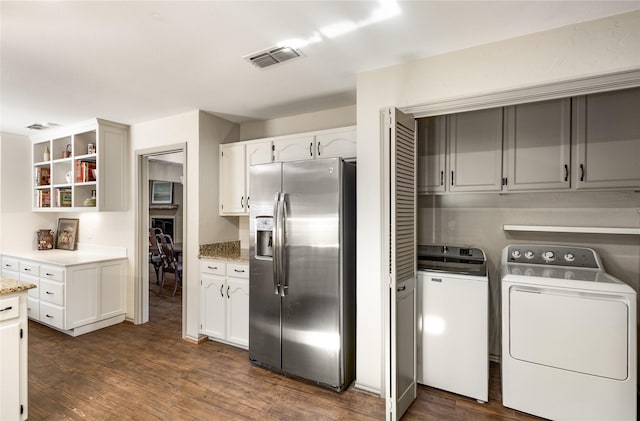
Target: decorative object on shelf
{"type": "Point", "coordinates": [161, 192]}
{"type": "Point", "coordinates": [43, 176]}
{"type": "Point", "coordinates": [45, 239]}
{"type": "Point", "coordinates": [67, 152]}
{"type": "Point", "coordinates": [91, 148]}
{"type": "Point", "coordinates": [46, 156]}
{"type": "Point", "coordinates": [67, 176]}
{"type": "Point", "coordinates": [66, 233]}
{"type": "Point", "coordinates": [90, 201]}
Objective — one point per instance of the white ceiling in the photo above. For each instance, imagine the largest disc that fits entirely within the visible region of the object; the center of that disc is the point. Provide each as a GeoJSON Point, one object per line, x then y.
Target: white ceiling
{"type": "Point", "coordinates": [134, 61]}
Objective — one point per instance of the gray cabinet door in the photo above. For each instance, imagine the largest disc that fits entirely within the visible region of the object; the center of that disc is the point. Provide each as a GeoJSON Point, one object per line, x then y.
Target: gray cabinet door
{"type": "Point", "coordinates": [432, 139]}
{"type": "Point", "coordinates": [607, 130]}
{"type": "Point", "coordinates": [475, 150]}
{"type": "Point", "coordinates": [538, 145]}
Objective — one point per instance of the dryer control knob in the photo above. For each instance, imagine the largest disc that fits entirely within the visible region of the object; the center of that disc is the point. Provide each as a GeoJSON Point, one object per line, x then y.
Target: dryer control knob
{"type": "Point", "coordinates": [569, 257]}
{"type": "Point", "coordinates": [548, 256]}
{"type": "Point", "coordinates": [516, 254]}
{"type": "Point", "coordinates": [528, 254]}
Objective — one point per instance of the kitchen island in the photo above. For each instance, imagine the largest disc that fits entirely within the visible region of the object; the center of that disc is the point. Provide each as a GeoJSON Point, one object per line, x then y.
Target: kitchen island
{"type": "Point", "coordinates": [13, 348]}
{"type": "Point", "coordinates": [78, 291]}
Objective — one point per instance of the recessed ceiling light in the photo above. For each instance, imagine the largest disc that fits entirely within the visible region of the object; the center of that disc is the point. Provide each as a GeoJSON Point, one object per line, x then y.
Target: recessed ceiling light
{"type": "Point", "coordinates": [42, 125]}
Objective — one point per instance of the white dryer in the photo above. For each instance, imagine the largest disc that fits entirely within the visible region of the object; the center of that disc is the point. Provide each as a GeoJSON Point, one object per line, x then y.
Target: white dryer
{"type": "Point", "coordinates": [568, 335]}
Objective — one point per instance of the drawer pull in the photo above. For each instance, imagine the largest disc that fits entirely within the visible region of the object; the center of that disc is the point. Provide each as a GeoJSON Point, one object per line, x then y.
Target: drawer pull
{"type": "Point", "coordinates": [27, 269]}
{"type": "Point", "coordinates": [48, 292]}
{"type": "Point", "coordinates": [239, 271]}
{"type": "Point", "coordinates": [213, 268]}
{"type": "Point", "coordinates": [7, 308]}
{"type": "Point", "coordinates": [436, 280]}
{"type": "Point", "coordinates": [49, 274]}
{"type": "Point", "coordinates": [402, 288]}
{"type": "Point", "coordinates": [51, 317]}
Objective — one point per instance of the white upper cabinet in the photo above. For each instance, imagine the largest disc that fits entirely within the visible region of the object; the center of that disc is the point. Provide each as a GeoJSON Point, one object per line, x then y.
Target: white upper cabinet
{"type": "Point", "coordinates": [607, 131]}
{"type": "Point", "coordinates": [233, 200]}
{"type": "Point", "coordinates": [80, 167]}
{"type": "Point", "coordinates": [336, 143]}
{"type": "Point", "coordinates": [475, 150]}
{"type": "Point", "coordinates": [538, 145]}
{"type": "Point", "coordinates": [294, 148]}
{"type": "Point", "coordinates": [432, 140]}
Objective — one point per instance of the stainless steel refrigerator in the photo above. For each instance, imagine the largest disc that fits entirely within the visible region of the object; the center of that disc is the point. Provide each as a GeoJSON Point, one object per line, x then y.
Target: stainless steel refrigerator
{"type": "Point", "coordinates": [302, 269]}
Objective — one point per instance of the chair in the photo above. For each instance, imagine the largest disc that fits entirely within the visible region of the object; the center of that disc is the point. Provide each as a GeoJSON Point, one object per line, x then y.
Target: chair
{"type": "Point", "coordinates": [171, 263]}
{"type": "Point", "coordinates": [155, 254]}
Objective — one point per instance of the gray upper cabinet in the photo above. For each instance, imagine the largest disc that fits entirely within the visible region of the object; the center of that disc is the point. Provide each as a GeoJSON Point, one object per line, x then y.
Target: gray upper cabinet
{"type": "Point", "coordinates": [475, 150]}
{"type": "Point", "coordinates": [538, 145]}
{"type": "Point", "coordinates": [432, 140]}
{"type": "Point", "coordinates": [607, 131]}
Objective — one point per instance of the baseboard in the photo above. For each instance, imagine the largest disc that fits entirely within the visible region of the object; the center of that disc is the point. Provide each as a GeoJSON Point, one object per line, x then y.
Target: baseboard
{"type": "Point", "coordinates": [201, 339]}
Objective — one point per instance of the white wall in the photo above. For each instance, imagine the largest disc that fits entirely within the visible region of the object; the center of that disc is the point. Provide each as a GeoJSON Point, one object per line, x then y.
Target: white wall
{"type": "Point", "coordinates": [19, 224]}
{"type": "Point", "coordinates": [325, 119]}
{"type": "Point", "coordinates": [597, 47]}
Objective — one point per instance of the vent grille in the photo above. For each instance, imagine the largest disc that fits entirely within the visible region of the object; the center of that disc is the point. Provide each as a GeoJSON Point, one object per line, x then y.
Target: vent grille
{"type": "Point", "coordinates": [274, 55]}
{"type": "Point", "coordinates": [42, 126]}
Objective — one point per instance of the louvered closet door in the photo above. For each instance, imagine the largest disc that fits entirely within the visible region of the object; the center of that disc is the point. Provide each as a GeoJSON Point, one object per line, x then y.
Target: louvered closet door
{"type": "Point", "coordinates": [402, 129]}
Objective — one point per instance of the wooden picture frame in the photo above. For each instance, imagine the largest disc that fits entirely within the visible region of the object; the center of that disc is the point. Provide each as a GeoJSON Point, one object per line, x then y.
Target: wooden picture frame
{"type": "Point", "coordinates": [66, 233]}
{"type": "Point", "coordinates": [45, 239]}
{"type": "Point", "coordinates": [161, 193]}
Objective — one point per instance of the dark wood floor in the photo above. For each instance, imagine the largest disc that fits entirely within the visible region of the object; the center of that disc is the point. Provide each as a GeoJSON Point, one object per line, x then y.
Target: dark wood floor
{"type": "Point", "coordinates": [147, 372]}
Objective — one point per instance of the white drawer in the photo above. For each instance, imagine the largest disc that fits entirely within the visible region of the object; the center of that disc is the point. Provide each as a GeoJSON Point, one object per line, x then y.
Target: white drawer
{"type": "Point", "coordinates": [52, 314]}
{"type": "Point", "coordinates": [30, 268]}
{"type": "Point", "coordinates": [52, 272]}
{"type": "Point", "coordinates": [238, 270]}
{"type": "Point", "coordinates": [9, 263]}
{"type": "Point", "coordinates": [33, 292]}
{"type": "Point", "coordinates": [52, 292]}
{"type": "Point", "coordinates": [33, 308]}
{"type": "Point", "coordinates": [213, 267]}
{"type": "Point", "coordinates": [9, 308]}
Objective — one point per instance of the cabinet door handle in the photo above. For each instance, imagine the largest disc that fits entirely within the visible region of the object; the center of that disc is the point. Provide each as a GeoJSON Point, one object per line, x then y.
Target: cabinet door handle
{"type": "Point", "coordinates": [452, 178]}
{"type": "Point", "coordinates": [7, 308]}
{"type": "Point", "coordinates": [248, 198]}
{"type": "Point", "coordinates": [228, 291]}
{"type": "Point", "coordinates": [402, 288]}
{"type": "Point", "coordinates": [221, 293]}
{"type": "Point", "coordinates": [310, 148]}
{"type": "Point", "coordinates": [242, 202]}
{"type": "Point", "coordinates": [442, 178]}
{"type": "Point", "coordinates": [581, 172]}
{"type": "Point", "coordinates": [318, 148]}
{"type": "Point", "coordinates": [566, 172]}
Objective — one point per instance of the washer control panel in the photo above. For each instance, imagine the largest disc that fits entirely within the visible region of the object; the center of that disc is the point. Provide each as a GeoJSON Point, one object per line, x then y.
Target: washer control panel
{"type": "Point", "coordinates": [534, 254]}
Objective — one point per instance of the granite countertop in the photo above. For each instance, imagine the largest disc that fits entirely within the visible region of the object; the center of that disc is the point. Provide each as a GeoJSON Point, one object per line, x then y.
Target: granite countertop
{"type": "Point", "coordinates": [229, 250]}
{"type": "Point", "coordinates": [10, 286]}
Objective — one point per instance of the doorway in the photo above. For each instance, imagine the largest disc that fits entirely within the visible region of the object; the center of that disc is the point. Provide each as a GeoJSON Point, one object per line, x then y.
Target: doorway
{"type": "Point", "coordinates": [161, 204]}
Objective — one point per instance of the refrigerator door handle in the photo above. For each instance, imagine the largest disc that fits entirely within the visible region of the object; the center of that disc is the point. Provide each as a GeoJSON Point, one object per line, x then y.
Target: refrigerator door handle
{"type": "Point", "coordinates": [282, 223]}
{"type": "Point", "coordinates": [276, 244]}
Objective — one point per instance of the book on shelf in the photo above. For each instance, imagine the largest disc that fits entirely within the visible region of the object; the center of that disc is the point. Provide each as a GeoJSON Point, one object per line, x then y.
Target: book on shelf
{"type": "Point", "coordinates": [64, 197]}
{"type": "Point", "coordinates": [84, 171]}
{"type": "Point", "coordinates": [42, 176]}
{"type": "Point", "coordinates": [43, 199]}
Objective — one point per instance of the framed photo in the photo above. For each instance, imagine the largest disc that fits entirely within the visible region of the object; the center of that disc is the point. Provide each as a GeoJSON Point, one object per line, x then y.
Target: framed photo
{"type": "Point", "coordinates": [45, 239]}
{"type": "Point", "coordinates": [161, 193]}
{"type": "Point", "coordinates": [66, 233]}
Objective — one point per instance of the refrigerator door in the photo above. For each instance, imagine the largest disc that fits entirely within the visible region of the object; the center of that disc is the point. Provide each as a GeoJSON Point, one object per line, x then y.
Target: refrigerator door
{"type": "Point", "coordinates": [264, 309]}
{"type": "Point", "coordinates": [312, 302]}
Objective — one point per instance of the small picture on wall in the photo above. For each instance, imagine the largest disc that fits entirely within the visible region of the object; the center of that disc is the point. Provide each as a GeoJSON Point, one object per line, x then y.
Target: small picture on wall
{"type": "Point", "coordinates": [66, 233]}
{"type": "Point", "coordinates": [161, 193]}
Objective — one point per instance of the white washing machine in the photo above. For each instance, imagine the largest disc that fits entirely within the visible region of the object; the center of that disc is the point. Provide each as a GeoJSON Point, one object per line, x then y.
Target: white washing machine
{"type": "Point", "coordinates": [568, 335]}
{"type": "Point", "coordinates": [452, 311]}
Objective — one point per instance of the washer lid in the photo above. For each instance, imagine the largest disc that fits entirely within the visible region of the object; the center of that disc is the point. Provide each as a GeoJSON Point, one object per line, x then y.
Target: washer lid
{"type": "Point", "coordinates": [591, 279]}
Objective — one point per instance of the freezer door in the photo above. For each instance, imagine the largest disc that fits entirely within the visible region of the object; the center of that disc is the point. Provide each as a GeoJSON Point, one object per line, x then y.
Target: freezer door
{"type": "Point", "coordinates": [311, 303]}
{"type": "Point", "coordinates": [264, 303]}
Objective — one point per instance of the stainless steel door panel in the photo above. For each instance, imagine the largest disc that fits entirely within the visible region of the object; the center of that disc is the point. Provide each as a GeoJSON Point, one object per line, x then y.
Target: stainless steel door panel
{"type": "Point", "coordinates": [311, 309]}
{"type": "Point", "coordinates": [264, 304]}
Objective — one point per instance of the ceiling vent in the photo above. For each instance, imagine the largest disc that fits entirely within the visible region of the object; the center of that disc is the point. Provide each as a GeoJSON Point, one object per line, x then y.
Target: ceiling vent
{"type": "Point", "coordinates": [273, 55]}
{"type": "Point", "coordinates": [42, 126]}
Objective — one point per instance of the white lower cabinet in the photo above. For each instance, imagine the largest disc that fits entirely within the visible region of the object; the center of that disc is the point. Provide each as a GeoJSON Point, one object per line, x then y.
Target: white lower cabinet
{"type": "Point", "coordinates": [75, 299]}
{"type": "Point", "coordinates": [224, 295]}
{"type": "Point", "coordinates": [13, 357]}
